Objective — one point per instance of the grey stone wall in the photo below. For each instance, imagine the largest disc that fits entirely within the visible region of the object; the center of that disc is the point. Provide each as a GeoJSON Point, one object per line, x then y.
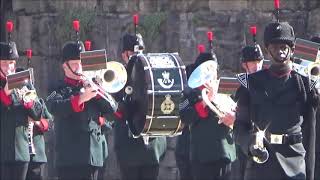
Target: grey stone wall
{"type": "Point", "coordinates": [167, 26]}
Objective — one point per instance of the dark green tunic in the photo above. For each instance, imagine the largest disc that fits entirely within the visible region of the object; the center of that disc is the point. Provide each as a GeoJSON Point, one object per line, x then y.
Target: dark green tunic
{"type": "Point", "coordinates": [13, 129]}
{"type": "Point", "coordinates": [209, 141]}
{"type": "Point", "coordinates": [39, 140]}
{"type": "Point", "coordinates": [79, 140]}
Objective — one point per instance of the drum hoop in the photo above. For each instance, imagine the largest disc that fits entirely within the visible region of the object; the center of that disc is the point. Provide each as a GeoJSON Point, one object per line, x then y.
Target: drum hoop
{"type": "Point", "coordinates": [152, 87]}
{"type": "Point", "coordinates": [178, 128]}
{"type": "Point", "coordinates": [180, 73]}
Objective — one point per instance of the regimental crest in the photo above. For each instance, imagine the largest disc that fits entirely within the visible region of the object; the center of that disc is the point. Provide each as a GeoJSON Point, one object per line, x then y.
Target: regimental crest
{"type": "Point", "coordinates": [165, 81]}
{"type": "Point", "coordinates": [243, 79]}
{"type": "Point", "coordinates": [167, 106]}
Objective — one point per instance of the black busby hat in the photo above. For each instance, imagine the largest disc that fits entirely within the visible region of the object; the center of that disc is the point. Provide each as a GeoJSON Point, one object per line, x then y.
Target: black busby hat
{"type": "Point", "coordinates": [252, 53]}
{"type": "Point", "coordinates": [71, 50]}
{"type": "Point", "coordinates": [8, 51]}
{"type": "Point", "coordinates": [279, 32]}
{"type": "Point", "coordinates": [128, 42]}
{"type": "Point", "coordinates": [203, 57]}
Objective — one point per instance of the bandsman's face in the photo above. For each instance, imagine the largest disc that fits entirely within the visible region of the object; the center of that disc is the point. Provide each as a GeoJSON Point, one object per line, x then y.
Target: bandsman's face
{"type": "Point", "coordinates": [7, 67]}
{"type": "Point", "coordinates": [75, 66]}
{"type": "Point", "coordinates": [126, 55]}
{"type": "Point", "coordinates": [280, 52]}
{"type": "Point", "coordinates": [252, 66]}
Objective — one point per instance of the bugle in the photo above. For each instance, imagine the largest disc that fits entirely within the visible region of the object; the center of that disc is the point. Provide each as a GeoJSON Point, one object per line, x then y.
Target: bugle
{"type": "Point", "coordinates": [202, 76]}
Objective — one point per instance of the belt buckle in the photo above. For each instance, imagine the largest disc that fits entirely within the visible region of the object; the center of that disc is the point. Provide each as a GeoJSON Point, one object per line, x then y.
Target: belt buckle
{"type": "Point", "coordinates": [276, 139]}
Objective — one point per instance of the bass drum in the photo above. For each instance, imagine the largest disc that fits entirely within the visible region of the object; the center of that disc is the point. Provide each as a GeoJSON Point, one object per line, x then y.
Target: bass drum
{"type": "Point", "coordinates": [157, 81]}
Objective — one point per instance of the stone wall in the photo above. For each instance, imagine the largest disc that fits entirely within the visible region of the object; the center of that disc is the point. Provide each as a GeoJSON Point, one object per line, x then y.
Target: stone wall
{"type": "Point", "coordinates": [167, 26]}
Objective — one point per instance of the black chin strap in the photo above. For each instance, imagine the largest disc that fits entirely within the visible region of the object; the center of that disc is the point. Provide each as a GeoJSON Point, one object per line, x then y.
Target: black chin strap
{"type": "Point", "coordinates": [4, 75]}
{"type": "Point", "coordinates": [75, 73]}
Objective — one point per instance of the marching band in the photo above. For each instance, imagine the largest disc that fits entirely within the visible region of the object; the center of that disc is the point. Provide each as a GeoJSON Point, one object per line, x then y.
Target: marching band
{"type": "Point", "coordinates": [266, 129]}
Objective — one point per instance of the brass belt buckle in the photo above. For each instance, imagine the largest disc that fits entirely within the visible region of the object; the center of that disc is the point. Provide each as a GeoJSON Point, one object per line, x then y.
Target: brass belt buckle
{"type": "Point", "coordinates": [276, 139]}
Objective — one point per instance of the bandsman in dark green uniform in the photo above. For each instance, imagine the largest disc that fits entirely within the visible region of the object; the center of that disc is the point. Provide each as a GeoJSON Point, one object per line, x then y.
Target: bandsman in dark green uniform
{"type": "Point", "coordinates": [38, 156]}
{"type": "Point", "coordinates": [15, 116]}
{"type": "Point", "coordinates": [251, 62]}
{"type": "Point", "coordinates": [137, 160]}
{"type": "Point", "coordinates": [279, 102]}
{"type": "Point", "coordinates": [78, 113]}
{"type": "Point", "coordinates": [211, 144]}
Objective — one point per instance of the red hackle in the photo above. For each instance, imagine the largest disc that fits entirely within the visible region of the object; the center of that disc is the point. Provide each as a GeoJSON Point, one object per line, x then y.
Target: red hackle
{"type": "Point", "coordinates": [87, 45]}
{"type": "Point", "coordinates": [253, 30]}
{"type": "Point", "coordinates": [210, 35]}
{"type": "Point", "coordinates": [76, 25]}
{"type": "Point", "coordinates": [276, 4]}
{"type": "Point", "coordinates": [201, 48]}
{"type": "Point", "coordinates": [136, 19]}
{"type": "Point", "coordinates": [29, 53]}
{"type": "Point", "coordinates": [9, 26]}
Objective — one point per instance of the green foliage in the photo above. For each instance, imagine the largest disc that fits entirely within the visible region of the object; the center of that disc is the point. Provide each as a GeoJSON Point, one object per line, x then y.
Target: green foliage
{"type": "Point", "coordinates": [64, 27]}
{"type": "Point", "coordinates": [150, 26]}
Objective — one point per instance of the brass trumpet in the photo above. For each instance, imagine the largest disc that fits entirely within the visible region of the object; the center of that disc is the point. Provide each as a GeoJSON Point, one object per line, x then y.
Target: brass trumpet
{"type": "Point", "coordinates": [109, 80]}
{"type": "Point", "coordinates": [105, 77]}
{"type": "Point", "coordinates": [203, 75]}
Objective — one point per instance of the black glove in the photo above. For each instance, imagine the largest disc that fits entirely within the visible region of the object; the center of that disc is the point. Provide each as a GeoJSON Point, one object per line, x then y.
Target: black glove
{"type": "Point", "coordinates": [193, 95]}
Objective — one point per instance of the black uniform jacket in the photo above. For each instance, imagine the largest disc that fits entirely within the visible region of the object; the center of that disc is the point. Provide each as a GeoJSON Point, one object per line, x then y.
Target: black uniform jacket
{"type": "Point", "coordinates": [282, 106]}
{"type": "Point", "coordinates": [79, 140]}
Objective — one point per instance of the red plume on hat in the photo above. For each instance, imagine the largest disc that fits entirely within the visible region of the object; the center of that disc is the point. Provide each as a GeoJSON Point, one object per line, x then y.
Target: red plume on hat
{"type": "Point", "coordinates": [253, 31]}
{"type": "Point", "coordinates": [29, 56]}
{"type": "Point", "coordinates": [87, 45]}
{"type": "Point", "coordinates": [201, 48]}
{"type": "Point", "coordinates": [9, 27]}
{"type": "Point", "coordinates": [135, 22]}
{"type": "Point", "coordinates": [277, 9]}
{"type": "Point", "coordinates": [210, 40]}
{"type": "Point", "coordinates": [29, 53]}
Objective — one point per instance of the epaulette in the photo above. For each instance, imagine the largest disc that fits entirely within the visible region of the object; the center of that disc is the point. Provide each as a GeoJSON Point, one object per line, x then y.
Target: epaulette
{"type": "Point", "coordinates": [312, 82]}
{"type": "Point", "coordinates": [243, 79]}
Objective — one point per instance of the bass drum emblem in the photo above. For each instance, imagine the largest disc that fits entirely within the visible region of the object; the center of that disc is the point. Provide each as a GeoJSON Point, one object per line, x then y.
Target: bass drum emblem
{"type": "Point", "coordinates": [167, 106]}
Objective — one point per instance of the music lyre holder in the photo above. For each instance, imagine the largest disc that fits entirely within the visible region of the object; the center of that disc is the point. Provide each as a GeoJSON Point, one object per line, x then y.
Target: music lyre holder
{"type": "Point", "coordinates": [20, 79]}
{"type": "Point", "coordinates": [93, 60]}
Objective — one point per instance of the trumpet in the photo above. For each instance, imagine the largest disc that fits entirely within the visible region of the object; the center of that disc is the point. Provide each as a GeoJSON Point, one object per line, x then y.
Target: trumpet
{"type": "Point", "coordinates": [109, 80]}
{"type": "Point", "coordinates": [203, 75]}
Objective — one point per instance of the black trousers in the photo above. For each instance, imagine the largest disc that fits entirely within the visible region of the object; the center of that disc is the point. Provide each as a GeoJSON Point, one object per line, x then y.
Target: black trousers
{"type": "Point", "coordinates": [215, 170]}
{"type": "Point", "coordinates": [14, 171]}
{"type": "Point", "coordinates": [267, 171]}
{"type": "Point", "coordinates": [78, 172]}
{"type": "Point", "coordinates": [317, 168]}
{"type": "Point", "coordinates": [35, 171]}
{"type": "Point", "coordinates": [184, 166]}
{"type": "Point", "coordinates": [142, 172]}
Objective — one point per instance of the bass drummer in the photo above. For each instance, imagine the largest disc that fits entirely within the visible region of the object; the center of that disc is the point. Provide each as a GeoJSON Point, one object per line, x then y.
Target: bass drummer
{"type": "Point", "coordinates": [138, 160]}
{"type": "Point", "coordinates": [211, 144]}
